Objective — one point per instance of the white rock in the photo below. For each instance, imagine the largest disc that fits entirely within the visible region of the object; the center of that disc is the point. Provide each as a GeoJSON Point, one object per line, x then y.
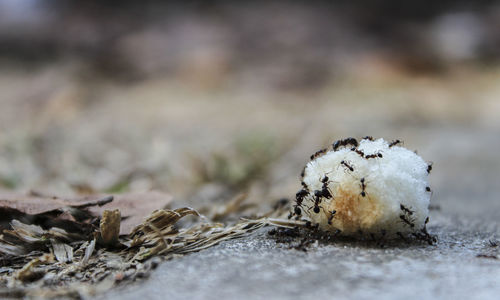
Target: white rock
{"type": "Point", "coordinates": [395, 198]}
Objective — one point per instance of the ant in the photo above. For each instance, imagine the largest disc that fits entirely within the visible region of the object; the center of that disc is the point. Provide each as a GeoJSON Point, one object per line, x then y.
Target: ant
{"type": "Point", "coordinates": [304, 185]}
{"type": "Point", "coordinates": [299, 197]}
{"type": "Point", "coordinates": [345, 164]}
{"type": "Point", "coordinates": [394, 143]}
{"type": "Point", "coordinates": [405, 209]}
{"type": "Point", "coordinates": [345, 142]}
{"type": "Point", "coordinates": [303, 172]}
{"type": "Point", "coordinates": [374, 155]}
{"type": "Point", "coordinates": [318, 153]}
{"type": "Point", "coordinates": [368, 137]}
{"type": "Point", "coordinates": [324, 189]}
{"type": "Point", "coordinates": [407, 221]}
{"type": "Point", "coordinates": [363, 187]}
{"type": "Point", "coordinates": [325, 179]}
{"type": "Point", "coordinates": [361, 153]}
{"type": "Point", "coordinates": [427, 189]}
{"type": "Point", "coordinates": [332, 214]}
{"type": "Point", "coordinates": [429, 168]}
{"type": "Point", "coordinates": [423, 235]}
{"type": "Point", "coordinates": [317, 199]}
{"type": "Point", "coordinates": [405, 216]}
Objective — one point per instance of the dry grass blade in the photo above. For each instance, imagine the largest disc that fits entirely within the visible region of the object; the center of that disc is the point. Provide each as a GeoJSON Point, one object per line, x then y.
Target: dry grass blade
{"type": "Point", "coordinates": [159, 236]}
{"type": "Point", "coordinates": [159, 225]}
{"type": "Point", "coordinates": [191, 241]}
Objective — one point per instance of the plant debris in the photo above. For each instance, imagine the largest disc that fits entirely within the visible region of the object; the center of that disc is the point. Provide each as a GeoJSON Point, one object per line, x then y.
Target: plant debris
{"type": "Point", "coordinates": [38, 260]}
{"type": "Point", "coordinates": [110, 227]}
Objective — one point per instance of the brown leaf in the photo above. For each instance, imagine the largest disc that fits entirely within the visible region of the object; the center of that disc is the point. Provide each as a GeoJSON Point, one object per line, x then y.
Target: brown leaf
{"type": "Point", "coordinates": [33, 205]}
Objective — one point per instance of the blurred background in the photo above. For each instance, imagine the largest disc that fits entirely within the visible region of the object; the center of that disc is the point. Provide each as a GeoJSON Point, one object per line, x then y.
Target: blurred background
{"type": "Point", "coordinates": [209, 99]}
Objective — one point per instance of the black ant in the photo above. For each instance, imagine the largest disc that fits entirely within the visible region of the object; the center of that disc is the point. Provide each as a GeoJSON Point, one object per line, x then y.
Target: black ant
{"type": "Point", "coordinates": [345, 142]}
{"type": "Point", "coordinates": [427, 189]}
{"type": "Point", "coordinates": [303, 172]}
{"type": "Point", "coordinates": [405, 209]}
{"type": "Point", "coordinates": [361, 153]}
{"type": "Point", "coordinates": [394, 143]}
{"type": "Point", "coordinates": [299, 197]}
{"type": "Point", "coordinates": [407, 221]}
{"type": "Point", "coordinates": [429, 168]}
{"type": "Point", "coordinates": [374, 155]}
{"type": "Point", "coordinates": [405, 216]}
{"type": "Point", "coordinates": [324, 189]}
{"type": "Point", "coordinates": [318, 153]}
{"type": "Point", "coordinates": [332, 214]}
{"type": "Point", "coordinates": [304, 185]}
{"type": "Point", "coordinates": [423, 235]}
{"type": "Point", "coordinates": [317, 200]}
{"type": "Point", "coordinates": [368, 137]}
{"type": "Point", "coordinates": [363, 187]}
{"type": "Point", "coordinates": [345, 164]}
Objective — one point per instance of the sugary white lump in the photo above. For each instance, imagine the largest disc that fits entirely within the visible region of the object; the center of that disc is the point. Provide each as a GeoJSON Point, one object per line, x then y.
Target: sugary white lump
{"type": "Point", "coordinates": [372, 188]}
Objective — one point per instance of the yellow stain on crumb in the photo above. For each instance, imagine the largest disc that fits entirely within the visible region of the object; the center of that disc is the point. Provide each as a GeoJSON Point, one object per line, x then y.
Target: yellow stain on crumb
{"type": "Point", "coordinates": [353, 212]}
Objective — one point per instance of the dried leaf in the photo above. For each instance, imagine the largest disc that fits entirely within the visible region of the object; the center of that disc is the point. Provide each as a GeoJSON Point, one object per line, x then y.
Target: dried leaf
{"type": "Point", "coordinates": [24, 238]}
{"type": "Point", "coordinates": [62, 252]}
{"type": "Point", "coordinates": [33, 205]}
{"type": "Point", "coordinates": [88, 252]}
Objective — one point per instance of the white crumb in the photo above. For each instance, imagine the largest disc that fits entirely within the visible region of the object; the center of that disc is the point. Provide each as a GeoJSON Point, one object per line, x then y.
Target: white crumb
{"type": "Point", "coordinates": [394, 200]}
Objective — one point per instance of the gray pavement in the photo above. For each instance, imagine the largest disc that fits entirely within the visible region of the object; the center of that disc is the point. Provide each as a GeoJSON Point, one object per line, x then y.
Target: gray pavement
{"type": "Point", "coordinates": [258, 268]}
